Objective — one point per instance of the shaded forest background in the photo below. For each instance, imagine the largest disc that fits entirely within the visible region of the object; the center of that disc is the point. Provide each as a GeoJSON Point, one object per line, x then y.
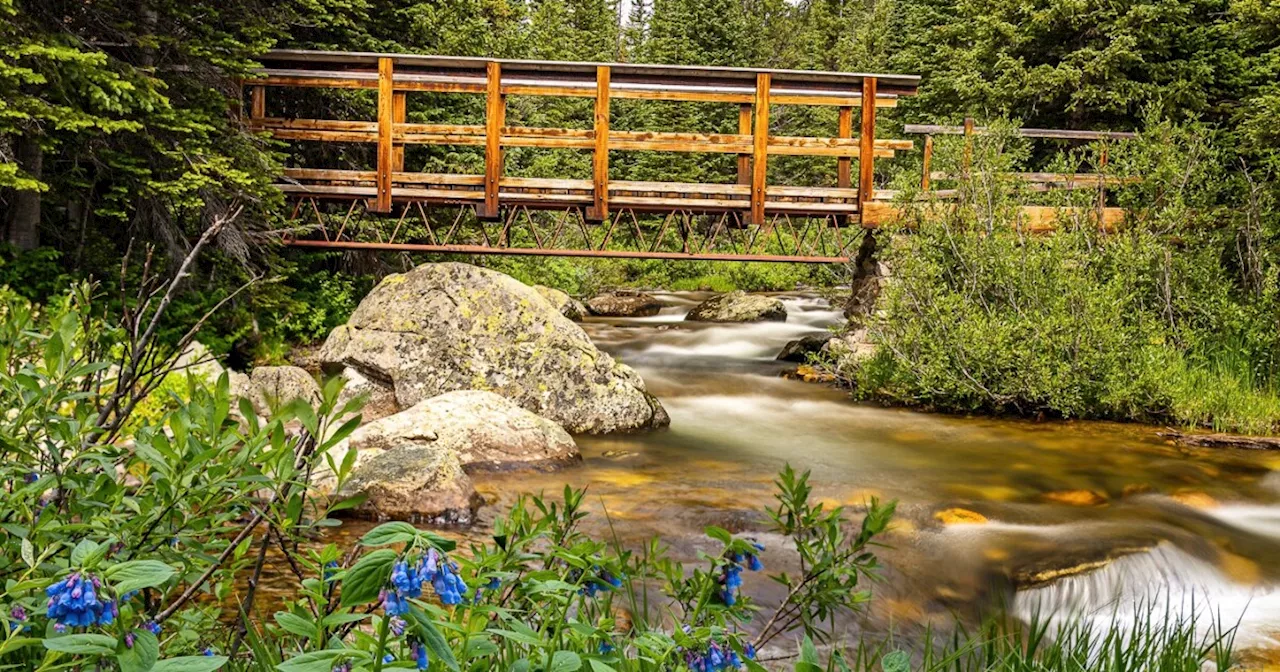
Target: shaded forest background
{"type": "Point", "coordinates": [118, 125]}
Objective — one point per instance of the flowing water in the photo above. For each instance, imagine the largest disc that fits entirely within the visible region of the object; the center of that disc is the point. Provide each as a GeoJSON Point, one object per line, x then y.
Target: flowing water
{"type": "Point", "coordinates": [1083, 516]}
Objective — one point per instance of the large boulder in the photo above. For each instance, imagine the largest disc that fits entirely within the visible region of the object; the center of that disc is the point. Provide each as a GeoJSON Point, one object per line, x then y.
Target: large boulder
{"type": "Point", "coordinates": [450, 326]}
{"type": "Point", "coordinates": [567, 305]}
{"type": "Point", "coordinates": [486, 431]}
{"type": "Point", "coordinates": [624, 303]}
{"type": "Point", "coordinates": [739, 306]}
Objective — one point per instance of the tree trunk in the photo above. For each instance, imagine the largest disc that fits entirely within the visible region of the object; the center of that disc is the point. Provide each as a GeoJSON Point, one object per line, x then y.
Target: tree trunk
{"type": "Point", "coordinates": [24, 218]}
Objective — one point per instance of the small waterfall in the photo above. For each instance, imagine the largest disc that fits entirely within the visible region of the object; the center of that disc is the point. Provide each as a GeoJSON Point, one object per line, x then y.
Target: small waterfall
{"type": "Point", "coordinates": [1166, 584]}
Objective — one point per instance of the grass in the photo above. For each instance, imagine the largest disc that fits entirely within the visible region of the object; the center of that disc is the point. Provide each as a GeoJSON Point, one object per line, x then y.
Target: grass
{"type": "Point", "coordinates": [1150, 641]}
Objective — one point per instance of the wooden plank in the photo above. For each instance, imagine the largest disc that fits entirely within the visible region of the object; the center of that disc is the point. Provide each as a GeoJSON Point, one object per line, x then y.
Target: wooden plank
{"type": "Point", "coordinates": [681, 187]}
{"type": "Point", "coordinates": [386, 155]}
{"type": "Point", "coordinates": [399, 113]}
{"type": "Point", "coordinates": [495, 113]}
{"type": "Point", "coordinates": [599, 209]}
{"type": "Point", "coordinates": [325, 136]}
{"type": "Point", "coordinates": [813, 192]}
{"type": "Point", "coordinates": [744, 158]}
{"type": "Point", "coordinates": [669, 203]}
{"type": "Point", "coordinates": [834, 101]}
{"type": "Point", "coordinates": [581, 133]}
{"type": "Point", "coordinates": [866, 137]}
{"type": "Point", "coordinates": [330, 175]}
{"type": "Point", "coordinates": [1047, 133]}
{"type": "Point", "coordinates": [544, 183]}
{"type": "Point", "coordinates": [278, 123]}
{"type": "Point", "coordinates": [549, 142]}
{"type": "Point", "coordinates": [760, 149]}
{"type": "Point", "coordinates": [440, 178]}
{"type": "Point", "coordinates": [928, 160]}
{"type": "Point", "coordinates": [450, 195]}
{"type": "Point", "coordinates": [318, 82]}
{"type": "Point", "coordinates": [844, 129]}
{"type": "Point", "coordinates": [685, 96]}
{"type": "Point", "coordinates": [257, 102]}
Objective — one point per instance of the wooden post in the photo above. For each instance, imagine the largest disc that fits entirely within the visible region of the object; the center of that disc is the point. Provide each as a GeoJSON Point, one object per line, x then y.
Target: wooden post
{"type": "Point", "coordinates": [399, 114]}
{"type": "Point", "coordinates": [599, 209]}
{"type": "Point", "coordinates": [968, 145]}
{"type": "Point", "coordinates": [928, 163]}
{"type": "Point", "coordinates": [867, 144]}
{"type": "Point", "coordinates": [257, 102]}
{"type": "Point", "coordinates": [1102, 185]}
{"type": "Point", "coordinates": [744, 128]}
{"type": "Point", "coordinates": [385, 108]}
{"type": "Point", "coordinates": [494, 113]}
{"type": "Point", "coordinates": [760, 148]}
{"type": "Point", "coordinates": [844, 164]}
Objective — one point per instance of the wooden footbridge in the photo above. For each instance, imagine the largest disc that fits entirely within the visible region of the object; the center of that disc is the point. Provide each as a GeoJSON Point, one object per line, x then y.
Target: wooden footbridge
{"type": "Point", "coordinates": [391, 208]}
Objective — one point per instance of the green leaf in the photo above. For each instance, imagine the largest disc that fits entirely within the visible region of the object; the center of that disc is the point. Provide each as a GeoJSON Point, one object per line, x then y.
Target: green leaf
{"type": "Point", "coordinates": [598, 666]}
{"type": "Point", "coordinates": [138, 574]}
{"type": "Point", "coordinates": [143, 655]}
{"type": "Point", "coordinates": [17, 643]}
{"type": "Point", "coordinates": [190, 664]}
{"type": "Point", "coordinates": [809, 652]}
{"type": "Point", "coordinates": [435, 642]}
{"type": "Point", "coordinates": [517, 637]}
{"type": "Point", "coordinates": [896, 661]}
{"type": "Point", "coordinates": [28, 553]}
{"type": "Point", "coordinates": [295, 624]}
{"type": "Point", "coordinates": [564, 661]}
{"type": "Point", "coordinates": [83, 552]}
{"type": "Point", "coordinates": [719, 533]}
{"type": "Point", "coordinates": [367, 577]}
{"type": "Point", "coordinates": [82, 643]}
{"type": "Point", "coordinates": [521, 665]}
{"type": "Point", "coordinates": [316, 661]}
{"type": "Point", "coordinates": [395, 532]}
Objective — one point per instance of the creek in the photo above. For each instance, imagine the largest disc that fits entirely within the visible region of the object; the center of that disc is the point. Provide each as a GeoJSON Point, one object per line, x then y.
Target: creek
{"type": "Point", "coordinates": [1085, 518]}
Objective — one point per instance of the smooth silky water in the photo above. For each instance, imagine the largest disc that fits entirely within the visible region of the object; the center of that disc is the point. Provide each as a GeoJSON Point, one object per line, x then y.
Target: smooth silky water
{"type": "Point", "coordinates": [1179, 526]}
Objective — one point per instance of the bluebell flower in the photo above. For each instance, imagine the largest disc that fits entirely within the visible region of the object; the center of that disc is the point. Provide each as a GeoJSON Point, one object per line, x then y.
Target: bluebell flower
{"type": "Point", "coordinates": [397, 625]}
{"type": "Point", "coordinates": [330, 570]}
{"type": "Point", "coordinates": [153, 627]}
{"type": "Point", "coordinates": [606, 648]}
{"type": "Point", "coordinates": [388, 658]}
{"type": "Point", "coordinates": [420, 656]}
{"type": "Point", "coordinates": [448, 585]}
{"type": "Point", "coordinates": [74, 602]}
{"type": "Point", "coordinates": [208, 651]}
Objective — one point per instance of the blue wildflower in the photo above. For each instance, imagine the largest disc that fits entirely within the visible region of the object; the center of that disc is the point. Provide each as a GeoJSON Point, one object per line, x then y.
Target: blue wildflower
{"type": "Point", "coordinates": [448, 585]}
{"type": "Point", "coordinates": [397, 625]}
{"type": "Point", "coordinates": [153, 627]}
{"type": "Point", "coordinates": [420, 656]}
{"type": "Point", "coordinates": [129, 639]}
{"type": "Point", "coordinates": [330, 570]}
{"type": "Point", "coordinates": [388, 658]}
{"type": "Point", "coordinates": [74, 602]}
{"type": "Point", "coordinates": [606, 648]}
{"type": "Point", "coordinates": [208, 651]}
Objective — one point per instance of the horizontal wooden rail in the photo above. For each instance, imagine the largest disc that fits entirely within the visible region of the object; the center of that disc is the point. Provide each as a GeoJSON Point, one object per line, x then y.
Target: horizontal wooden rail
{"type": "Point", "coordinates": [1048, 133]}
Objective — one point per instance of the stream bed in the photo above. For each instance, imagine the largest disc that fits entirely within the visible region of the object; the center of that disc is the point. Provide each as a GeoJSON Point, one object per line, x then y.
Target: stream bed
{"type": "Point", "coordinates": [1081, 517]}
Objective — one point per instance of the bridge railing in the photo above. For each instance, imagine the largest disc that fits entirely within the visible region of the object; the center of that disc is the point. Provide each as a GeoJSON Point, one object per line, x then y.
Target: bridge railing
{"type": "Point", "coordinates": [394, 77]}
{"type": "Point", "coordinates": [1037, 217]}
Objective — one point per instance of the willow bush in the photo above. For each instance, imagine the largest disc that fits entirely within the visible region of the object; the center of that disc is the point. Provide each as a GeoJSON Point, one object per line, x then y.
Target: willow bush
{"type": "Point", "coordinates": [1169, 318]}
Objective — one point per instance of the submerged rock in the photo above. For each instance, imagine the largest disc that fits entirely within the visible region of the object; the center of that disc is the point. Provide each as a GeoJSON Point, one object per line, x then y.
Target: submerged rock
{"type": "Point", "coordinates": [800, 349]}
{"type": "Point", "coordinates": [567, 305]}
{"type": "Point", "coordinates": [1077, 497]}
{"type": "Point", "coordinates": [450, 326]}
{"type": "Point", "coordinates": [739, 306]}
{"type": "Point", "coordinates": [624, 303]}
{"type": "Point", "coordinates": [957, 516]}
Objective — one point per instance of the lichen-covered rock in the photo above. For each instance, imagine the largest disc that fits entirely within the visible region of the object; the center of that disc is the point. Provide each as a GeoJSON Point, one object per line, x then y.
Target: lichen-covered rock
{"type": "Point", "coordinates": [624, 303]}
{"type": "Point", "coordinates": [486, 431]}
{"type": "Point", "coordinates": [450, 326]}
{"type": "Point", "coordinates": [279, 385]}
{"type": "Point", "coordinates": [567, 305]}
{"type": "Point", "coordinates": [739, 306]}
{"type": "Point", "coordinates": [406, 480]}
{"type": "Point", "coordinates": [800, 349]}
{"type": "Point", "coordinates": [379, 398]}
